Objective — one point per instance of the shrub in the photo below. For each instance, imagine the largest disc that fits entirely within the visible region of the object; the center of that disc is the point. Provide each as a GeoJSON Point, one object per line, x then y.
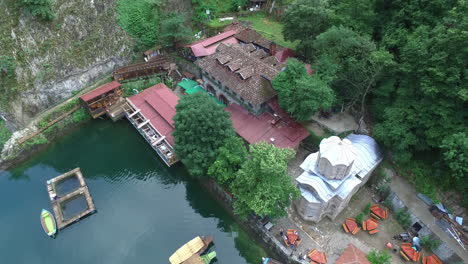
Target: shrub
{"type": "Point", "coordinates": [383, 190]}
{"type": "Point", "coordinates": [39, 8]}
{"type": "Point", "coordinates": [5, 134]}
{"type": "Point", "coordinates": [430, 244]}
{"type": "Point", "coordinates": [379, 257]}
{"type": "Point", "coordinates": [404, 218]}
{"type": "Point", "coordinates": [366, 209]}
{"type": "Point", "coordinates": [7, 66]}
{"type": "Point", "coordinates": [359, 218]}
{"type": "Point", "coordinates": [36, 140]}
{"type": "Point", "coordinates": [81, 115]}
{"type": "Point", "coordinates": [388, 203]}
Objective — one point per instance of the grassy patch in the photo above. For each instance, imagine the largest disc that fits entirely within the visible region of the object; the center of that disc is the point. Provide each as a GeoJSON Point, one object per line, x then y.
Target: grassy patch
{"type": "Point", "coordinates": [269, 28]}
{"type": "Point", "coordinates": [5, 134]}
{"type": "Point", "coordinates": [81, 115]}
{"type": "Point", "coordinates": [379, 257]}
{"type": "Point", "coordinates": [131, 88]}
{"type": "Point", "coordinates": [216, 24]}
{"type": "Point", "coordinates": [37, 140]}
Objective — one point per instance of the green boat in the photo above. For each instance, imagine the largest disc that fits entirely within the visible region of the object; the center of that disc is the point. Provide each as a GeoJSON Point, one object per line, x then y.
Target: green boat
{"type": "Point", "coordinates": [207, 258]}
{"type": "Point", "coordinates": [48, 223]}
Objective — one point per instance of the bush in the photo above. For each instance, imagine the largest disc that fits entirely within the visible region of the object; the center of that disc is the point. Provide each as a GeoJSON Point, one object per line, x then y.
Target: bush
{"type": "Point", "coordinates": [404, 218]}
{"type": "Point", "coordinates": [430, 244]}
{"type": "Point", "coordinates": [359, 218]}
{"type": "Point", "coordinates": [5, 134]}
{"type": "Point", "coordinates": [36, 140]}
{"type": "Point", "coordinates": [366, 209]}
{"type": "Point", "coordinates": [81, 115]}
{"type": "Point", "coordinates": [388, 203]}
{"type": "Point", "coordinates": [7, 66]}
{"type": "Point", "coordinates": [39, 8]}
{"type": "Point", "coordinates": [379, 257]}
{"type": "Point", "coordinates": [141, 20]}
{"type": "Point", "coordinates": [383, 190]}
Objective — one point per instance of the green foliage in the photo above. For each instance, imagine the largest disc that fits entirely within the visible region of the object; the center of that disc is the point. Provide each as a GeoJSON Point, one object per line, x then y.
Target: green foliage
{"type": "Point", "coordinates": [298, 24]}
{"type": "Point", "coordinates": [138, 85]}
{"type": "Point", "coordinates": [403, 217]}
{"type": "Point", "coordinates": [359, 15]}
{"type": "Point", "coordinates": [81, 115]}
{"type": "Point", "coordinates": [39, 139]}
{"type": "Point", "coordinates": [7, 66]}
{"type": "Point", "coordinates": [429, 243]}
{"type": "Point", "coordinates": [262, 185]}
{"type": "Point", "coordinates": [39, 8]}
{"type": "Point", "coordinates": [379, 257]}
{"type": "Point", "coordinates": [201, 127]}
{"type": "Point", "coordinates": [359, 218]}
{"type": "Point", "coordinates": [141, 19]}
{"type": "Point", "coordinates": [5, 134]}
{"type": "Point", "coordinates": [300, 94]}
{"type": "Point", "coordinates": [455, 154]}
{"type": "Point", "coordinates": [173, 29]}
{"type": "Point", "coordinates": [230, 157]}
{"type": "Point", "coordinates": [388, 203]}
{"type": "Point", "coordinates": [366, 209]}
{"type": "Point", "coordinates": [351, 61]}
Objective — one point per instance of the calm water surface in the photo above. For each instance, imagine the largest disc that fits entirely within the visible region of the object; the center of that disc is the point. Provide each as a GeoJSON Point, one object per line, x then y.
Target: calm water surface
{"type": "Point", "coordinates": [145, 210]}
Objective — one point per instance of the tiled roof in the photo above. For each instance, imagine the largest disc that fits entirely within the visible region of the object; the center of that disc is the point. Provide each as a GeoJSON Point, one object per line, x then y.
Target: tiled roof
{"type": "Point", "coordinates": [208, 46]}
{"type": "Point", "coordinates": [100, 91]}
{"type": "Point", "coordinates": [243, 69]}
{"type": "Point", "coordinates": [352, 255]}
{"type": "Point", "coordinates": [260, 128]}
{"type": "Point", "coordinates": [157, 104]}
{"type": "Point", "coordinates": [249, 35]}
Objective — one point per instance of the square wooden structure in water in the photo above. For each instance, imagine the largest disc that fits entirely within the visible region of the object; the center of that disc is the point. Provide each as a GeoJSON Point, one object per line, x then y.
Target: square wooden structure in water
{"type": "Point", "coordinates": [58, 201]}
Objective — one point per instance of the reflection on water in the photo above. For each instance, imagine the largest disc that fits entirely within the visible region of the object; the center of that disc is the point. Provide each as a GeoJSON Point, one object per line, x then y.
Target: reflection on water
{"type": "Point", "coordinates": [74, 206]}
{"type": "Point", "coordinates": [67, 185]}
{"type": "Point", "coordinates": [145, 210]}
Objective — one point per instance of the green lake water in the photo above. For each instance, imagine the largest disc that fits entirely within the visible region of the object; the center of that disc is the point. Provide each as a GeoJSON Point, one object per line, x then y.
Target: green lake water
{"type": "Point", "coordinates": [145, 210]}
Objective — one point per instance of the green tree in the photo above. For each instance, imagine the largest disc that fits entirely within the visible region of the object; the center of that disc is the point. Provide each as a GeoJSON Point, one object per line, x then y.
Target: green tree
{"type": "Point", "coordinates": [230, 157]}
{"type": "Point", "coordinates": [360, 15]}
{"type": "Point", "coordinates": [201, 127]}
{"type": "Point", "coordinates": [174, 30]}
{"type": "Point", "coordinates": [304, 20]}
{"type": "Point", "coordinates": [39, 8]}
{"type": "Point", "coordinates": [300, 94]}
{"type": "Point", "coordinates": [379, 257]}
{"type": "Point", "coordinates": [262, 185]}
{"type": "Point", "coordinates": [353, 62]}
{"type": "Point", "coordinates": [7, 66]}
{"type": "Point", "coordinates": [141, 19]}
{"type": "Point", "coordinates": [455, 150]}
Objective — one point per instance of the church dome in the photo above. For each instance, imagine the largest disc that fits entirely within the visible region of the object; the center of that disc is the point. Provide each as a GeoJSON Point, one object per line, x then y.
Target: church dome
{"type": "Point", "coordinates": [336, 157]}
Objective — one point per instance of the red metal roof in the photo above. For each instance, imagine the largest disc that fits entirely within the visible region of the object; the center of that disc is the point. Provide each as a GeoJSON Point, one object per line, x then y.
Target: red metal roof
{"type": "Point", "coordinates": [100, 91]}
{"type": "Point", "coordinates": [255, 129]}
{"type": "Point", "coordinates": [208, 46]}
{"type": "Point", "coordinates": [157, 104]}
{"type": "Point", "coordinates": [352, 255]}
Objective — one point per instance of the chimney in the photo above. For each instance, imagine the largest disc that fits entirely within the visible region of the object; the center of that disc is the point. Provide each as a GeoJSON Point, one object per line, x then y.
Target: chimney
{"type": "Point", "coordinates": [272, 48]}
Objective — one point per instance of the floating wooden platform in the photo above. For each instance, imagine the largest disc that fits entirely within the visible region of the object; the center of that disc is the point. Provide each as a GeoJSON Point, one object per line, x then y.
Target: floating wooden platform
{"type": "Point", "coordinates": [57, 200]}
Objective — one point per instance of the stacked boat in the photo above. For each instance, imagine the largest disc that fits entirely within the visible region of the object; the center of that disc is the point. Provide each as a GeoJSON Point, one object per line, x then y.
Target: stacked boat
{"type": "Point", "coordinates": [191, 252]}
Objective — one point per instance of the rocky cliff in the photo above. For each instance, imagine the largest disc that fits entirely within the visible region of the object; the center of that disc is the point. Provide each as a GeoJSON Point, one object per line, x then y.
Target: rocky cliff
{"type": "Point", "coordinates": [57, 58]}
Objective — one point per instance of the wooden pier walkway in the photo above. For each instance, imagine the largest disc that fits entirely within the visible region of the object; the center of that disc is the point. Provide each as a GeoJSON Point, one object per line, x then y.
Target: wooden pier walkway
{"type": "Point", "coordinates": [57, 201]}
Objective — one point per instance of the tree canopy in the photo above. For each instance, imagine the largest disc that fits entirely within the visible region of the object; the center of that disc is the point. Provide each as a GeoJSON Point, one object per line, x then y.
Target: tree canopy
{"type": "Point", "coordinates": [262, 184]}
{"type": "Point", "coordinates": [174, 30]}
{"type": "Point", "coordinates": [201, 127]}
{"type": "Point", "coordinates": [230, 157]}
{"type": "Point", "coordinates": [300, 94]}
{"type": "Point", "coordinates": [39, 8]}
{"type": "Point", "coordinates": [406, 61]}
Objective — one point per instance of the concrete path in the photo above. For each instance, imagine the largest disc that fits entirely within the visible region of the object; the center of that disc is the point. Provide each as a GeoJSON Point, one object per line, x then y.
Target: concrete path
{"type": "Point", "coordinates": [407, 194]}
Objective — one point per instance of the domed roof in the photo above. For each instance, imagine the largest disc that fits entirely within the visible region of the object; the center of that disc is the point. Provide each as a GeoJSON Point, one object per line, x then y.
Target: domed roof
{"type": "Point", "coordinates": [337, 151]}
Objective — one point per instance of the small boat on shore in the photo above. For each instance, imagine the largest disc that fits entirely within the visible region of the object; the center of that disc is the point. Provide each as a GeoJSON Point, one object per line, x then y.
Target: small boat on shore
{"type": "Point", "coordinates": [190, 253]}
{"type": "Point", "coordinates": [48, 223]}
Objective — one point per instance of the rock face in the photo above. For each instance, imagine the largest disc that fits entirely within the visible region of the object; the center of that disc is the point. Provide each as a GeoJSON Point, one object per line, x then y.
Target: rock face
{"type": "Point", "coordinates": [57, 58]}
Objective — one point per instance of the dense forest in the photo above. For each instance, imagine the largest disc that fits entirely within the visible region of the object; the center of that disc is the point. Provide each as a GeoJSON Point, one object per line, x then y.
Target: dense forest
{"type": "Point", "coordinates": [403, 66]}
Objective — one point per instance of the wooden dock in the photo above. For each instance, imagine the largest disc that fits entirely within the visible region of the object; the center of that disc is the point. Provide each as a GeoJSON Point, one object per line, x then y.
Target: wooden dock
{"type": "Point", "coordinates": [57, 201]}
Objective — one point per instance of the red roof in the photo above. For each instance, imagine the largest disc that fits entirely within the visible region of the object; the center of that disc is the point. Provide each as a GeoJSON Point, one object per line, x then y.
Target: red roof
{"type": "Point", "coordinates": [284, 54]}
{"type": "Point", "coordinates": [158, 104]}
{"type": "Point", "coordinates": [256, 129]}
{"type": "Point", "coordinates": [208, 46]}
{"type": "Point", "coordinates": [100, 91]}
{"type": "Point", "coordinates": [352, 255]}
